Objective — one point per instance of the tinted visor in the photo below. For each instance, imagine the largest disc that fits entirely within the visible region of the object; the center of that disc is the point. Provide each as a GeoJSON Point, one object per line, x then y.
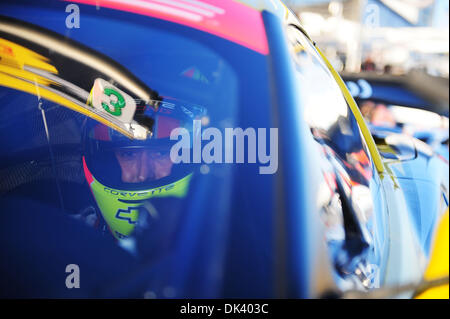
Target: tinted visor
{"type": "Point", "coordinates": [134, 167]}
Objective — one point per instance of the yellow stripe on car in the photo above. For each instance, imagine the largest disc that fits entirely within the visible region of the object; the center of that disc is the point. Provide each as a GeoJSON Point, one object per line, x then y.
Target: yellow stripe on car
{"type": "Point", "coordinates": [438, 266]}
{"type": "Point", "coordinates": [357, 113]}
{"type": "Point", "coordinates": [18, 84]}
{"type": "Point", "coordinates": [16, 56]}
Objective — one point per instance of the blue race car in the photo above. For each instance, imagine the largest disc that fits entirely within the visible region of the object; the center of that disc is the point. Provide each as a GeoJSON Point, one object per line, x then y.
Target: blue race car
{"type": "Point", "coordinates": [199, 149]}
{"type": "Point", "coordinates": [414, 104]}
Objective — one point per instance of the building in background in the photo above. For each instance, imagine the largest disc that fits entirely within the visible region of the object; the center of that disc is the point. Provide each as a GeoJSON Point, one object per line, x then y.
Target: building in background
{"type": "Point", "coordinates": [385, 36]}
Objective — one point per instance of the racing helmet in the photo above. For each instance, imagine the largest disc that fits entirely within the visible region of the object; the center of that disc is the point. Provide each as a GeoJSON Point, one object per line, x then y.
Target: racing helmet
{"type": "Point", "coordinates": [123, 173]}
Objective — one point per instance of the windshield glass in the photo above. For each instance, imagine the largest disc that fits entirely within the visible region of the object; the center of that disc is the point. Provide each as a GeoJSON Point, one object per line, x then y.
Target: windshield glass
{"type": "Point", "coordinates": [131, 191]}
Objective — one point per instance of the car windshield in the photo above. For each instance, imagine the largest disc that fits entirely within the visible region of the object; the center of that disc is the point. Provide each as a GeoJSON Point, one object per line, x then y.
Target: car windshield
{"type": "Point", "coordinates": [59, 159]}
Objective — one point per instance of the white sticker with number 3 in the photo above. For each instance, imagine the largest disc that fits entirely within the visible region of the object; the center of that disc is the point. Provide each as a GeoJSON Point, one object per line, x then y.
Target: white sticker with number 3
{"type": "Point", "coordinates": [107, 98]}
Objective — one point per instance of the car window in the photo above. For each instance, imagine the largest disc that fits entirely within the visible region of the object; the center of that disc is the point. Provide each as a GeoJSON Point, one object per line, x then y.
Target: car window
{"type": "Point", "coordinates": [347, 209]}
{"type": "Point", "coordinates": [162, 213]}
{"type": "Point", "coordinates": [68, 160]}
{"type": "Point", "coordinates": [326, 111]}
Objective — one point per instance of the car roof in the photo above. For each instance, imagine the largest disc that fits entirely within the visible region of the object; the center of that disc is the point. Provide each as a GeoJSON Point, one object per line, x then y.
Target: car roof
{"type": "Point", "coordinates": [239, 21]}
